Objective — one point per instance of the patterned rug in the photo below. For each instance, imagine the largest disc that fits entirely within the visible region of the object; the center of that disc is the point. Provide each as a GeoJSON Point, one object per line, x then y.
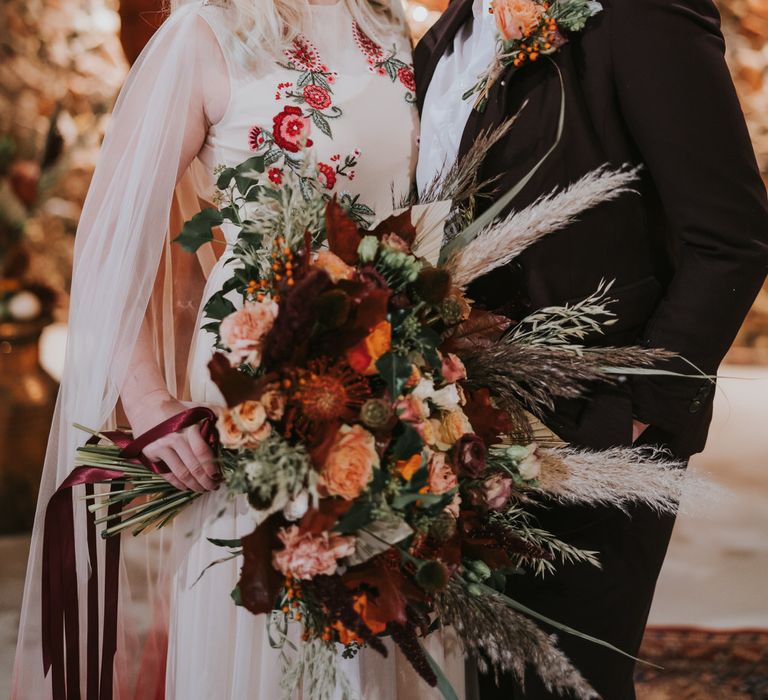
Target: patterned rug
{"type": "Point", "coordinates": [704, 664]}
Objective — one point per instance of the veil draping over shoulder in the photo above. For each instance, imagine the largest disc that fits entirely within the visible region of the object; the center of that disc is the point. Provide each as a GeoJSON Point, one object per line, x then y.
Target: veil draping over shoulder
{"type": "Point", "coordinates": [126, 269]}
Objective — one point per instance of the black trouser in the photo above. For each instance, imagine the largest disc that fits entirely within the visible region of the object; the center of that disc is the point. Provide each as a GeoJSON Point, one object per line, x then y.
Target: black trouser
{"type": "Point", "coordinates": [611, 603]}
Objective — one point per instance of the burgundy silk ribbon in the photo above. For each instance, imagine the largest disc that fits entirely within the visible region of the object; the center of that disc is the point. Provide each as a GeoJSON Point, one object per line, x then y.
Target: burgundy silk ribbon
{"type": "Point", "coordinates": [60, 605]}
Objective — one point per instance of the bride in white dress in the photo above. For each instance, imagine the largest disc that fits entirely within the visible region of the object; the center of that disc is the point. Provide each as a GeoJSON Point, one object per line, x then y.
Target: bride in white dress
{"type": "Point", "coordinates": [219, 82]}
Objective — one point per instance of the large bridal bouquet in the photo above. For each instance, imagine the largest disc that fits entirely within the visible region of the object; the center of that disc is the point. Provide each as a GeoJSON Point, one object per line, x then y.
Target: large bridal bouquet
{"type": "Point", "coordinates": [383, 429]}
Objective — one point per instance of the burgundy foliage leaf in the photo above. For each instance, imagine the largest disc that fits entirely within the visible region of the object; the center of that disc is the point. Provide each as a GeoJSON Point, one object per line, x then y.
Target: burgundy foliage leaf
{"type": "Point", "coordinates": [259, 581]}
{"type": "Point", "coordinates": [343, 235]}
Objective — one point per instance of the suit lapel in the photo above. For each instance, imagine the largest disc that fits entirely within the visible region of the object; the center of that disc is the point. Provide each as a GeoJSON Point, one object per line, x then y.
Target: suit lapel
{"type": "Point", "coordinates": [435, 43]}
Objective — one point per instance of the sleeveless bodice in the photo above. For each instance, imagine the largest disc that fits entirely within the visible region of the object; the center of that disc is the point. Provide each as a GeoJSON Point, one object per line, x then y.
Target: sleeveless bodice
{"type": "Point", "coordinates": [347, 97]}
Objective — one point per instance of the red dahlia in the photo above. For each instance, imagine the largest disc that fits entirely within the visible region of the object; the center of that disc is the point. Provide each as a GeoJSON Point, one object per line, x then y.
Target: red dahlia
{"type": "Point", "coordinates": [291, 132]}
{"type": "Point", "coordinates": [317, 97]}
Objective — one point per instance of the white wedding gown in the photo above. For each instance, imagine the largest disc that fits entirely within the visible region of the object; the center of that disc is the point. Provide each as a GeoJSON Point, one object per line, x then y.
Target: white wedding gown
{"type": "Point", "coordinates": [359, 113]}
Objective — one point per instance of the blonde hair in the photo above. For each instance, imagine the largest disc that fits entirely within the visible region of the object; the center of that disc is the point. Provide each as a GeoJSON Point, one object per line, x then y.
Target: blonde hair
{"type": "Point", "coordinates": [266, 27]}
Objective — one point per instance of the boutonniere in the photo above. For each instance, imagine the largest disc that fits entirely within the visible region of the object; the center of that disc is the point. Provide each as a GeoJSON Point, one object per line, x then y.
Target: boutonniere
{"type": "Point", "coordinates": [529, 29]}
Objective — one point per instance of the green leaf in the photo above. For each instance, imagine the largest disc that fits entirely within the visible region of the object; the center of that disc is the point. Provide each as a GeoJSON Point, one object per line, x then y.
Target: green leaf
{"type": "Point", "coordinates": [235, 595]}
{"type": "Point", "coordinates": [253, 194]}
{"type": "Point", "coordinates": [395, 370]}
{"type": "Point", "coordinates": [225, 178]}
{"type": "Point", "coordinates": [230, 213]}
{"type": "Point", "coordinates": [379, 481]}
{"type": "Point", "coordinates": [408, 444]}
{"type": "Point", "coordinates": [219, 307]}
{"type": "Point", "coordinates": [404, 499]}
{"type": "Point", "coordinates": [198, 230]}
{"type": "Point", "coordinates": [321, 81]}
{"type": "Point", "coordinates": [248, 172]}
{"type": "Point", "coordinates": [359, 515]}
{"type": "Point", "coordinates": [419, 479]}
{"type": "Point", "coordinates": [225, 543]}
{"type": "Point", "coordinates": [272, 156]}
{"type": "Point", "coordinates": [391, 70]}
{"type": "Point", "coordinates": [322, 123]}
{"type": "Point", "coordinates": [304, 79]}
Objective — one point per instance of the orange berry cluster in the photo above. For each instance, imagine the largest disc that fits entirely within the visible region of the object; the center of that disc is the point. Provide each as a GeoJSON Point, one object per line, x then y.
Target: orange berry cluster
{"type": "Point", "coordinates": [282, 269]}
{"type": "Point", "coordinates": [293, 594]}
{"type": "Point", "coordinates": [541, 41]}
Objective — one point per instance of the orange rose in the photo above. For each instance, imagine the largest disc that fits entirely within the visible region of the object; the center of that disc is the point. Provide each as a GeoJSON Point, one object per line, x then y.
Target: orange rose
{"type": "Point", "coordinates": [362, 357]}
{"type": "Point", "coordinates": [350, 462]}
{"type": "Point", "coordinates": [336, 268]}
{"type": "Point", "coordinates": [452, 425]}
{"type": "Point", "coordinates": [515, 19]}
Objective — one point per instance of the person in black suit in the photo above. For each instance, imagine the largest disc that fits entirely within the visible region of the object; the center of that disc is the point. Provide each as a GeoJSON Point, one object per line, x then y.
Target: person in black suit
{"type": "Point", "coordinates": [645, 83]}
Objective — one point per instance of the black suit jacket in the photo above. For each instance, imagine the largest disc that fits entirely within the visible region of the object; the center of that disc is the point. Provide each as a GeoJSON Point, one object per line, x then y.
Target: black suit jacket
{"type": "Point", "coordinates": [645, 83]}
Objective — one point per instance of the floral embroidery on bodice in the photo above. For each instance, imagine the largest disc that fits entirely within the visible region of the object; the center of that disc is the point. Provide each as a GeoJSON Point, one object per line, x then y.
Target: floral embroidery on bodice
{"type": "Point", "coordinates": [341, 96]}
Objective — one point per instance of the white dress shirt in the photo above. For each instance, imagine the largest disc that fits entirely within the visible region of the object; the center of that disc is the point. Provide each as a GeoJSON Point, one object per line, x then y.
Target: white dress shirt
{"type": "Point", "coordinates": [445, 113]}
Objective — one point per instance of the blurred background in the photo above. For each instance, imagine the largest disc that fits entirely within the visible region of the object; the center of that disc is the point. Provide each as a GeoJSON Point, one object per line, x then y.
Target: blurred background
{"type": "Point", "coordinates": [61, 65]}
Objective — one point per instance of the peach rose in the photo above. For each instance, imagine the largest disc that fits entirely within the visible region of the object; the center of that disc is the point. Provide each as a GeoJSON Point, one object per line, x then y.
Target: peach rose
{"type": "Point", "coordinates": [362, 357]}
{"type": "Point", "coordinates": [452, 368]}
{"type": "Point", "coordinates": [243, 426]}
{"type": "Point", "coordinates": [273, 401]}
{"type": "Point", "coordinates": [306, 555]}
{"type": "Point", "coordinates": [251, 417]}
{"type": "Point", "coordinates": [441, 476]}
{"type": "Point", "coordinates": [515, 19]}
{"type": "Point", "coordinates": [350, 462]}
{"type": "Point", "coordinates": [243, 331]}
{"type": "Point", "coordinates": [231, 435]}
{"type": "Point", "coordinates": [336, 268]}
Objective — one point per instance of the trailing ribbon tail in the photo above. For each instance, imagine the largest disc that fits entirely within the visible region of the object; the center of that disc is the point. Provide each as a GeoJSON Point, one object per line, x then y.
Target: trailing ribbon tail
{"type": "Point", "coordinates": [60, 605]}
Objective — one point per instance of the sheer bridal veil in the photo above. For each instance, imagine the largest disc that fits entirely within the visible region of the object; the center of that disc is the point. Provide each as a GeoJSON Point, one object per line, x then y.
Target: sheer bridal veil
{"type": "Point", "coordinates": [126, 269]}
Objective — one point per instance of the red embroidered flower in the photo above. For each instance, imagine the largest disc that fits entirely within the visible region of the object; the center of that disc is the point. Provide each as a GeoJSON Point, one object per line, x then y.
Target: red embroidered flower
{"type": "Point", "coordinates": [304, 54]}
{"type": "Point", "coordinates": [275, 175]}
{"type": "Point", "coordinates": [407, 78]}
{"type": "Point", "coordinates": [367, 45]}
{"type": "Point", "coordinates": [317, 97]}
{"type": "Point", "coordinates": [255, 138]}
{"type": "Point", "coordinates": [291, 131]}
{"type": "Point", "coordinates": [326, 175]}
